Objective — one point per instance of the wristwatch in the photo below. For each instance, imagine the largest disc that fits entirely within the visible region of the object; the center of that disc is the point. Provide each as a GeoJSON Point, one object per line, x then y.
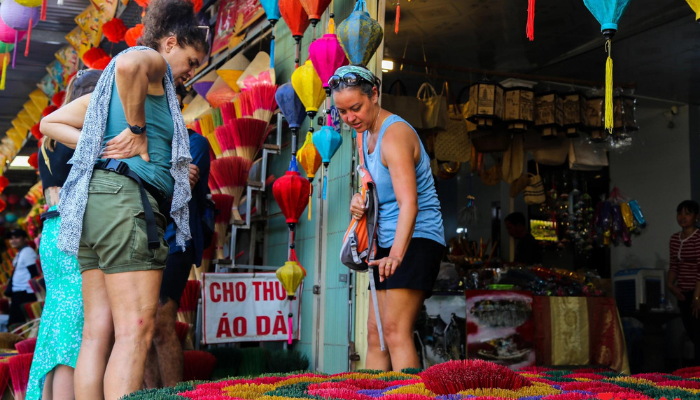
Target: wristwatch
{"type": "Point", "coordinates": [137, 130]}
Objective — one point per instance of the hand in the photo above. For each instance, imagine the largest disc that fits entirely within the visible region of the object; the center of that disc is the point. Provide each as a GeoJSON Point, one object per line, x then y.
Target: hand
{"type": "Point", "coordinates": [194, 175]}
{"type": "Point", "coordinates": [127, 145]}
{"type": "Point", "coordinates": [677, 292]}
{"type": "Point", "coordinates": [387, 266]}
{"type": "Point", "coordinates": [357, 206]}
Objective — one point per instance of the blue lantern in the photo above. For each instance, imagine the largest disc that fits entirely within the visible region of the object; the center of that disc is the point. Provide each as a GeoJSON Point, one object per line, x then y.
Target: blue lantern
{"type": "Point", "coordinates": [292, 109]}
{"type": "Point", "coordinates": [327, 142]}
{"type": "Point", "coordinates": [360, 35]}
{"type": "Point", "coordinates": [272, 10]}
{"type": "Point", "coordinates": [608, 13]}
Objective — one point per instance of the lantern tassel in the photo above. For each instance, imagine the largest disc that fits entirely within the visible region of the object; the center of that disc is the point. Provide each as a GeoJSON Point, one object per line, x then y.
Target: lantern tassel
{"type": "Point", "coordinates": [398, 17]}
{"type": "Point", "coordinates": [43, 10]}
{"type": "Point", "coordinates": [272, 49]}
{"type": "Point", "coordinates": [331, 25]}
{"type": "Point", "coordinates": [4, 71]}
{"type": "Point", "coordinates": [310, 198]}
{"type": "Point", "coordinates": [609, 123]}
{"type": "Point", "coordinates": [14, 51]}
{"type": "Point", "coordinates": [530, 29]}
{"type": "Point", "coordinates": [289, 341]}
{"type": "Point", "coordinates": [325, 181]}
{"type": "Point", "coordinates": [29, 38]}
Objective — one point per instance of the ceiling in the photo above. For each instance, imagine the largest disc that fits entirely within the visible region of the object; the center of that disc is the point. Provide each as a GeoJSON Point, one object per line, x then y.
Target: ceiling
{"type": "Point", "coordinates": [657, 47]}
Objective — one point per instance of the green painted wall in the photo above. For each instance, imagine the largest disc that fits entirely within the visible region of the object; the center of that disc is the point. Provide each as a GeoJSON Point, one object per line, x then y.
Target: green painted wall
{"type": "Point", "coordinates": [335, 306]}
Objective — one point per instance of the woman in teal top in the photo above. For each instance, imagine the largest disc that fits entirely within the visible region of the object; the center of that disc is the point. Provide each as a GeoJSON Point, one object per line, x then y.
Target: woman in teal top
{"type": "Point", "coordinates": [410, 231]}
{"type": "Point", "coordinates": [103, 215]}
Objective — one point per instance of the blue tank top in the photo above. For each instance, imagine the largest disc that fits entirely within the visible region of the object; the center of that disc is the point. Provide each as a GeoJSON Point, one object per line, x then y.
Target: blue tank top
{"type": "Point", "coordinates": [159, 128]}
{"type": "Point", "coordinates": [429, 218]}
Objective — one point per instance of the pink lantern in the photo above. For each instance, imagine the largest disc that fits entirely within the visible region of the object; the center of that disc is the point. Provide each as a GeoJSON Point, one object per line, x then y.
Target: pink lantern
{"type": "Point", "coordinates": [7, 34]}
{"type": "Point", "coordinates": [327, 56]}
{"type": "Point", "coordinates": [19, 18]}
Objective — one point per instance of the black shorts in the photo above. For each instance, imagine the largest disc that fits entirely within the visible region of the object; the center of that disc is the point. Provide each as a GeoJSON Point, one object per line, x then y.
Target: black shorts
{"type": "Point", "coordinates": [176, 274]}
{"type": "Point", "coordinates": [419, 269]}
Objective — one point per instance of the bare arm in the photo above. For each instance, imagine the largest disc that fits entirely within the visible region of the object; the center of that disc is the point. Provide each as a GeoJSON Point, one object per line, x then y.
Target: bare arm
{"type": "Point", "coordinates": [64, 124]}
{"type": "Point", "coordinates": [399, 150]}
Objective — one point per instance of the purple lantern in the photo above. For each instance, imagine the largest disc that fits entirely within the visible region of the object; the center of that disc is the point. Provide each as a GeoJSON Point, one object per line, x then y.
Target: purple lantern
{"type": "Point", "coordinates": [327, 56]}
{"type": "Point", "coordinates": [19, 18]}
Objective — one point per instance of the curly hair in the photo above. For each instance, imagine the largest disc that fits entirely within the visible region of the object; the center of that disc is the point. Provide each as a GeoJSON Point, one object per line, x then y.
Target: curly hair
{"type": "Point", "coordinates": [173, 18]}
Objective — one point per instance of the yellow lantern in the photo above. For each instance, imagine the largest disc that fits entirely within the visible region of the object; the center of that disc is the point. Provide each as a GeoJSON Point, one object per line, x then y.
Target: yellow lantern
{"type": "Point", "coordinates": [308, 86]}
{"type": "Point", "coordinates": [290, 275]}
{"type": "Point", "coordinates": [309, 159]}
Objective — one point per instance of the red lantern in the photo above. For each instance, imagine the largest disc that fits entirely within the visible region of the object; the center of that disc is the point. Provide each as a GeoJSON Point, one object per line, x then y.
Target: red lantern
{"type": "Point", "coordinates": [36, 132]}
{"type": "Point", "coordinates": [58, 98]}
{"type": "Point", "coordinates": [292, 194]}
{"type": "Point", "coordinates": [102, 63]}
{"type": "Point", "coordinates": [34, 160]}
{"type": "Point", "coordinates": [315, 8]}
{"type": "Point", "coordinates": [143, 3]}
{"type": "Point", "coordinates": [4, 182]}
{"type": "Point", "coordinates": [93, 55]}
{"type": "Point", "coordinates": [297, 20]}
{"type": "Point", "coordinates": [48, 110]}
{"type": "Point", "coordinates": [114, 30]}
{"type": "Point", "coordinates": [133, 35]}
{"type": "Point", "coordinates": [197, 4]}
{"type": "Point", "coordinates": [3, 205]}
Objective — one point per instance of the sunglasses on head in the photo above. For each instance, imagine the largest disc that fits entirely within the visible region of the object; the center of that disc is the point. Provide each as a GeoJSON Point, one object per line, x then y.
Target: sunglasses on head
{"type": "Point", "coordinates": [349, 79]}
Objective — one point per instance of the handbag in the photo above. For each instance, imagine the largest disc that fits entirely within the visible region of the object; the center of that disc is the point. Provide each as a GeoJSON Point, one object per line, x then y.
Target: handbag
{"type": "Point", "coordinates": [453, 143]}
{"type": "Point", "coordinates": [513, 160]}
{"type": "Point", "coordinates": [584, 156]}
{"type": "Point", "coordinates": [398, 102]}
{"type": "Point", "coordinates": [534, 192]}
{"type": "Point", "coordinates": [552, 155]}
{"type": "Point", "coordinates": [433, 107]}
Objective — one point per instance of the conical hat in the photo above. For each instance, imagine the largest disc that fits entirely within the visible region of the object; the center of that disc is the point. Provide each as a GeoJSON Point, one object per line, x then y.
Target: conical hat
{"type": "Point", "coordinates": [197, 107]}
{"type": "Point", "coordinates": [220, 93]}
{"type": "Point", "coordinates": [203, 85]}
{"type": "Point", "coordinates": [233, 70]}
{"type": "Point", "coordinates": [258, 70]}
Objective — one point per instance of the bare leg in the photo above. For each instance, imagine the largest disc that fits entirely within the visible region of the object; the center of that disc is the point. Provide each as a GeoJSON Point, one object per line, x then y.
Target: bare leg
{"type": "Point", "coordinates": [134, 300]}
{"type": "Point", "coordinates": [47, 392]}
{"type": "Point", "coordinates": [98, 333]}
{"type": "Point", "coordinates": [63, 383]}
{"type": "Point", "coordinates": [376, 358]}
{"type": "Point", "coordinates": [170, 355]}
{"type": "Point", "coordinates": [151, 377]}
{"type": "Point", "coordinates": [398, 326]}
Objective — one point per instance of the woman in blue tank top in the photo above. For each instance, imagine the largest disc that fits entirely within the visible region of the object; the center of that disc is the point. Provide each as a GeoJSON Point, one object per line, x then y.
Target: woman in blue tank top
{"type": "Point", "coordinates": [410, 231]}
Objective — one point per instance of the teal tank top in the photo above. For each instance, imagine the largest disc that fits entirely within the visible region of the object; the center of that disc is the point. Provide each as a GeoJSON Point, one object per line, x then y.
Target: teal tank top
{"type": "Point", "coordinates": [159, 128]}
{"type": "Point", "coordinates": [429, 218]}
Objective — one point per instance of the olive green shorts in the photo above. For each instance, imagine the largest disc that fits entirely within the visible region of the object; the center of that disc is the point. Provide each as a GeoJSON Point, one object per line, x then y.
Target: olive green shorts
{"type": "Point", "coordinates": [114, 235]}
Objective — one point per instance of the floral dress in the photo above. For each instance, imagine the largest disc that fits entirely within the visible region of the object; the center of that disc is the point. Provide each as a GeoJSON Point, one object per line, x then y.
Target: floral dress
{"type": "Point", "coordinates": [60, 332]}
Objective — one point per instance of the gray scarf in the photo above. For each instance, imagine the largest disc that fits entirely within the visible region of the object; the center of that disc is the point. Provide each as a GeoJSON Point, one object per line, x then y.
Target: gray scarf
{"type": "Point", "coordinates": [74, 194]}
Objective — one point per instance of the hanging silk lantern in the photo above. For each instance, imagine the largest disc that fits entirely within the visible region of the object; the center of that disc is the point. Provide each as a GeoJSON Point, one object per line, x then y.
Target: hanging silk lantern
{"type": "Point", "coordinates": [310, 160]}
{"type": "Point", "coordinates": [360, 35]}
{"type": "Point", "coordinates": [290, 275]}
{"type": "Point", "coordinates": [297, 20]}
{"type": "Point", "coordinates": [695, 5]}
{"type": "Point", "coordinates": [114, 30]}
{"type": "Point", "coordinates": [291, 192]}
{"type": "Point", "coordinates": [327, 142]}
{"type": "Point", "coordinates": [327, 56]}
{"type": "Point", "coordinates": [34, 4]}
{"type": "Point", "coordinates": [19, 18]}
{"type": "Point", "coordinates": [132, 35]}
{"type": "Point", "coordinates": [315, 8]}
{"type": "Point", "coordinates": [608, 13]}
{"type": "Point", "coordinates": [293, 110]}
{"type": "Point", "coordinates": [7, 36]}
{"type": "Point", "coordinates": [272, 11]}
{"type": "Point", "coordinates": [550, 114]}
{"type": "Point", "coordinates": [309, 88]}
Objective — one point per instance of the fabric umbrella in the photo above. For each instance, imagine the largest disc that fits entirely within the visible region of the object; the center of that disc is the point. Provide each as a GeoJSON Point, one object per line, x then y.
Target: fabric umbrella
{"type": "Point", "coordinates": [293, 110]}
{"type": "Point", "coordinates": [290, 275]}
{"type": "Point", "coordinates": [608, 13]}
{"type": "Point", "coordinates": [310, 160]}
{"type": "Point", "coordinates": [360, 35]}
{"type": "Point", "coordinates": [19, 18]}
{"type": "Point", "coordinates": [327, 142]}
{"type": "Point", "coordinates": [272, 10]}
{"type": "Point", "coordinates": [695, 5]}
{"type": "Point", "coordinates": [297, 20]}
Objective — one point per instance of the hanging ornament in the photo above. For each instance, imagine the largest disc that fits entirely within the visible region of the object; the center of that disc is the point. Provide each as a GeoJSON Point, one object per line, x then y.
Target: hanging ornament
{"type": "Point", "coordinates": [293, 110]}
{"type": "Point", "coordinates": [315, 8]}
{"type": "Point", "coordinates": [272, 10]}
{"type": "Point", "coordinates": [310, 160]}
{"type": "Point", "coordinates": [291, 274]}
{"type": "Point", "coordinates": [327, 56]}
{"type": "Point", "coordinates": [327, 142]}
{"type": "Point", "coordinates": [7, 36]}
{"type": "Point", "coordinates": [114, 30]}
{"type": "Point", "coordinates": [132, 35]}
{"type": "Point", "coordinates": [58, 98]}
{"type": "Point", "coordinates": [34, 4]}
{"type": "Point", "coordinates": [530, 29]}
{"type": "Point", "coordinates": [291, 192]}
{"type": "Point", "coordinates": [297, 20]}
{"type": "Point", "coordinates": [695, 5]}
{"type": "Point", "coordinates": [398, 16]}
{"type": "Point", "coordinates": [309, 88]}
{"type": "Point", "coordinates": [94, 55]}
{"type": "Point", "coordinates": [360, 35]}
{"type": "Point", "coordinates": [19, 18]}
{"type": "Point", "coordinates": [33, 160]}
{"type": "Point", "coordinates": [608, 13]}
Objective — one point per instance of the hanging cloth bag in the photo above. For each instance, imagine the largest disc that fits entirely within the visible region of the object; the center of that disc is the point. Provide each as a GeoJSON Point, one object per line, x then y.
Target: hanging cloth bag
{"type": "Point", "coordinates": [360, 241]}
{"type": "Point", "coordinates": [584, 156]}
{"type": "Point", "coordinates": [534, 192]}
{"type": "Point", "coordinates": [453, 143]}
{"type": "Point", "coordinates": [398, 102]}
{"type": "Point", "coordinates": [433, 107]}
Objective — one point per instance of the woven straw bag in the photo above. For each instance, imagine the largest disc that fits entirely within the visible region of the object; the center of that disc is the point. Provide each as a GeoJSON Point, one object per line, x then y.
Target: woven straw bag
{"type": "Point", "coordinates": [534, 192]}
{"type": "Point", "coordinates": [433, 107]}
{"type": "Point", "coordinates": [453, 143]}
